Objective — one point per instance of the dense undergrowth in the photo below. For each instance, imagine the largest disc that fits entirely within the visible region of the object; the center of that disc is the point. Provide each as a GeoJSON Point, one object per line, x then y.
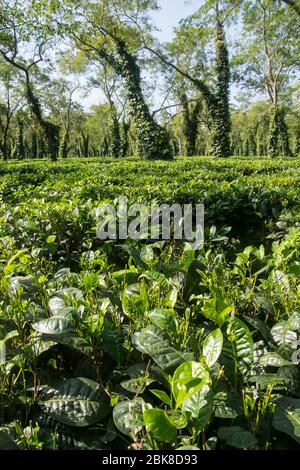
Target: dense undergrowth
{"type": "Point", "coordinates": [145, 345]}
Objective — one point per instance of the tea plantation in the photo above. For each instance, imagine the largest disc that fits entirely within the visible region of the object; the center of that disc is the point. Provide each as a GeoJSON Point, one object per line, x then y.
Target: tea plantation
{"type": "Point", "coordinates": [144, 344]}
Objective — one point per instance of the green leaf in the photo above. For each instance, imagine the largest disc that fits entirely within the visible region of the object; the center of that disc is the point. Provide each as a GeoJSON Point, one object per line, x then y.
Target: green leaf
{"type": "Point", "coordinates": [134, 300]}
{"type": "Point", "coordinates": [68, 292]}
{"type": "Point", "coordinates": [159, 425]}
{"type": "Point", "coordinates": [136, 386]}
{"type": "Point", "coordinates": [156, 278]}
{"type": "Point", "coordinates": [90, 281]}
{"type": "Point", "coordinates": [189, 378]}
{"type": "Point", "coordinates": [273, 359]}
{"type": "Point", "coordinates": [227, 406]}
{"type": "Point", "coordinates": [113, 344]}
{"type": "Point", "coordinates": [287, 417]}
{"type": "Point", "coordinates": [28, 284]}
{"type": "Point", "coordinates": [187, 448]}
{"type": "Point", "coordinates": [2, 353]}
{"type": "Point", "coordinates": [259, 326]}
{"type": "Point", "coordinates": [76, 402]}
{"type": "Point", "coordinates": [217, 310]}
{"type": "Point", "coordinates": [73, 342]}
{"type": "Point", "coordinates": [152, 341]}
{"type": "Point", "coordinates": [88, 439]}
{"type": "Point", "coordinates": [212, 347]}
{"type": "Point", "coordinates": [260, 253]}
{"type": "Point", "coordinates": [163, 318]}
{"type": "Point", "coordinates": [11, 335]}
{"type": "Point", "coordinates": [163, 396]}
{"type": "Point", "coordinates": [291, 377]}
{"type": "Point", "coordinates": [51, 239]}
{"type": "Point", "coordinates": [180, 419]}
{"type": "Point", "coordinates": [56, 305]}
{"type": "Point", "coordinates": [200, 406]}
{"type": "Point", "coordinates": [236, 436]}
{"type": "Point", "coordinates": [147, 254]}
{"type": "Point", "coordinates": [265, 380]}
{"type": "Point", "coordinates": [283, 336]}
{"type": "Point", "coordinates": [128, 416]}
{"type": "Point", "coordinates": [293, 323]}
{"type": "Point", "coordinates": [237, 354]}
{"type": "Point", "coordinates": [126, 276]}
{"type": "Point", "coordinates": [281, 280]}
{"type": "Point", "coordinates": [57, 326]}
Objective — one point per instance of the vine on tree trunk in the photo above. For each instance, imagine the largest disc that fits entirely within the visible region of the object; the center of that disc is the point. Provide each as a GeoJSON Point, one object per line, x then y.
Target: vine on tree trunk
{"type": "Point", "coordinates": [153, 140]}
{"type": "Point", "coordinates": [115, 138]}
{"type": "Point", "coordinates": [50, 131]}
{"type": "Point", "coordinates": [278, 141]}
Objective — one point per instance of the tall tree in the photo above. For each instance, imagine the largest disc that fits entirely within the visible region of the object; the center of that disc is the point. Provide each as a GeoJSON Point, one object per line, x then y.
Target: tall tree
{"type": "Point", "coordinates": [268, 58]}
{"type": "Point", "coordinates": [191, 112]}
{"type": "Point", "coordinates": [18, 31]}
{"type": "Point", "coordinates": [10, 101]}
{"type": "Point", "coordinates": [20, 146]}
{"type": "Point", "coordinates": [294, 4]}
{"type": "Point", "coordinates": [109, 32]}
{"type": "Point", "coordinates": [215, 91]}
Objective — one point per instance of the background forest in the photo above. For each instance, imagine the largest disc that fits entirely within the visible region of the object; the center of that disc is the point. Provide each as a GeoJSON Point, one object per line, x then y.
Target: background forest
{"type": "Point", "coordinates": [227, 83]}
{"type": "Point", "coordinates": [150, 343]}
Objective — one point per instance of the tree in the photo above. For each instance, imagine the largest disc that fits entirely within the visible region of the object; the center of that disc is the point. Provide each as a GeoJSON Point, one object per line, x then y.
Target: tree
{"type": "Point", "coordinates": [115, 144]}
{"type": "Point", "coordinates": [11, 100]}
{"type": "Point", "coordinates": [18, 29]}
{"type": "Point", "coordinates": [215, 92]}
{"type": "Point", "coordinates": [190, 124]}
{"type": "Point", "coordinates": [294, 4]}
{"type": "Point", "coordinates": [20, 147]}
{"type": "Point", "coordinates": [268, 58]}
{"type": "Point", "coordinates": [109, 32]}
{"type": "Point", "coordinates": [58, 98]}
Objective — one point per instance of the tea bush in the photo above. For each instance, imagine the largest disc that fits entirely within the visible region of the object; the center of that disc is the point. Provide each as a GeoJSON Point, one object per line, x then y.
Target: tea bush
{"type": "Point", "coordinates": [148, 345]}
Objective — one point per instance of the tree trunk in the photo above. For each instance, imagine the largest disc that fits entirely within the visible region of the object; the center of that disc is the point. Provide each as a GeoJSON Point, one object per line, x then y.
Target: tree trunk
{"type": "Point", "coordinates": [49, 130]}
{"type": "Point", "coordinates": [4, 148]}
{"type": "Point", "coordinates": [63, 145]}
{"type": "Point", "coordinates": [278, 140]}
{"type": "Point", "coordinates": [85, 146]}
{"type": "Point", "coordinates": [20, 148]}
{"type": "Point", "coordinates": [220, 112]}
{"type": "Point", "coordinates": [153, 140]}
{"type": "Point", "coordinates": [115, 147]}
{"type": "Point", "coordinates": [125, 139]}
{"type": "Point", "coordinates": [190, 127]}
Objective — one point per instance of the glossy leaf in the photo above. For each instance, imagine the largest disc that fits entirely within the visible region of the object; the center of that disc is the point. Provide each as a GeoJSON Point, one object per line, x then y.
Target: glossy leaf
{"type": "Point", "coordinates": [159, 425]}
{"type": "Point", "coordinates": [212, 347]}
{"type": "Point", "coordinates": [189, 378]}
{"type": "Point", "coordinates": [76, 402]}
{"type": "Point", "coordinates": [152, 341]}
{"type": "Point", "coordinates": [128, 415]}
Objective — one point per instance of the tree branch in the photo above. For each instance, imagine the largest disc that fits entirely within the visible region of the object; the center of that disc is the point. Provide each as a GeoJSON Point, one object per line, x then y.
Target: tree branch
{"type": "Point", "coordinates": [201, 86]}
{"type": "Point", "coordinates": [293, 4]}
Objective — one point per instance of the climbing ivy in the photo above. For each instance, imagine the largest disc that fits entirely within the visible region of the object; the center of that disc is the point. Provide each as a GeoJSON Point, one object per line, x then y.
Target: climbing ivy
{"type": "Point", "coordinates": [190, 124]}
{"type": "Point", "coordinates": [153, 140]}
{"type": "Point", "coordinates": [115, 145]}
{"type": "Point", "coordinates": [20, 147]}
{"type": "Point", "coordinates": [219, 106]}
{"type": "Point", "coordinates": [278, 142]}
{"type": "Point", "coordinates": [63, 145]}
{"type": "Point", "coordinates": [49, 130]}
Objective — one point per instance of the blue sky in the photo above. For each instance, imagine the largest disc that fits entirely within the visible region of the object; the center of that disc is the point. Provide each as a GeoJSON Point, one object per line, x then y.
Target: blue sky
{"type": "Point", "coordinates": [170, 13]}
{"type": "Point", "coordinates": [165, 19]}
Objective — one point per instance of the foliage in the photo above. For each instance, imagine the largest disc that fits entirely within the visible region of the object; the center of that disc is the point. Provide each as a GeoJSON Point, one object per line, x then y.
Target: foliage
{"type": "Point", "coordinates": [106, 345]}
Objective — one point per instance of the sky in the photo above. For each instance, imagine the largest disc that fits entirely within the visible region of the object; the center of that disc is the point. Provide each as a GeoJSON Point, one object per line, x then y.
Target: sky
{"type": "Point", "coordinates": [165, 19]}
{"type": "Point", "coordinates": [169, 15]}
